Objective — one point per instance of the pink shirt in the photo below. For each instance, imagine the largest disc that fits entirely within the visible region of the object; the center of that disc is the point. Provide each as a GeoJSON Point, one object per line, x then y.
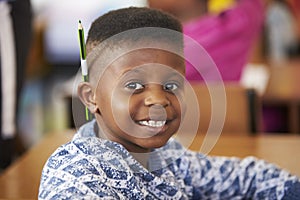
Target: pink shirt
{"type": "Point", "coordinates": [227, 37]}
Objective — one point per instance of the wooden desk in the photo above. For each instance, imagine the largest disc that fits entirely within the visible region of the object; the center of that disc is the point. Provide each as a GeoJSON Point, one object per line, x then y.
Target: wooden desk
{"type": "Point", "coordinates": [283, 90]}
{"type": "Point", "coordinates": [281, 149]}
{"type": "Point", "coordinates": [21, 180]}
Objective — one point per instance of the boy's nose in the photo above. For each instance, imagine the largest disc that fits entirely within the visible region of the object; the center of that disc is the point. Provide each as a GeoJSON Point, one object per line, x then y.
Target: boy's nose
{"type": "Point", "coordinates": [156, 96]}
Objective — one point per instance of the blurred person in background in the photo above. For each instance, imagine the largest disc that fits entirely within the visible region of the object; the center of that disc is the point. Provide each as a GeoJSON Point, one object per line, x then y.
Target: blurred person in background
{"type": "Point", "coordinates": [15, 39]}
{"type": "Point", "coordinates": [295, 6]}
{"type": "Point", "coordinates": [281, 32]}
{"type": "Point", "coordinates": [281, 46]}
{"type": "Point", "coordinates": [228, 36]}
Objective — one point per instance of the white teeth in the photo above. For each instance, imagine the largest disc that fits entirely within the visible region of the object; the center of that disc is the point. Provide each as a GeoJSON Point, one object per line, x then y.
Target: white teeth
{"type": "Point", "coordinates": [152, 123]}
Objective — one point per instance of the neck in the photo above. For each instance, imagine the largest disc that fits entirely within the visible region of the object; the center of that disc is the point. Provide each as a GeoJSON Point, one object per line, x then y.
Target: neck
{"type": "Point", "coordinates": [142, 158]}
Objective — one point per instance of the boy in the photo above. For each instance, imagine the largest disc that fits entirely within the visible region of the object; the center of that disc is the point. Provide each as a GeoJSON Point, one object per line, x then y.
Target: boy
{"type": "Point", "coordinates": [136, 92]}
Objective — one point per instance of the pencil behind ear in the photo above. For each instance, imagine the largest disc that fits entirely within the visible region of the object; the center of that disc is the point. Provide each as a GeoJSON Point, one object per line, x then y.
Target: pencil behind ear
{"type": "Point", "coordinates": [87, 96]}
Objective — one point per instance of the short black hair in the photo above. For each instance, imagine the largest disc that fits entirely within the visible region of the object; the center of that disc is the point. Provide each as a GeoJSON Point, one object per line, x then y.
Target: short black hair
{"type": "Point", "coordinates": [118, 21]}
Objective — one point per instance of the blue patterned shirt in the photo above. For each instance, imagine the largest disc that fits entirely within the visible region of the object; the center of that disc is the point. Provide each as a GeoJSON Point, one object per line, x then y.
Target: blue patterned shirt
{"type": "Point", "coordinates": [89, 167]}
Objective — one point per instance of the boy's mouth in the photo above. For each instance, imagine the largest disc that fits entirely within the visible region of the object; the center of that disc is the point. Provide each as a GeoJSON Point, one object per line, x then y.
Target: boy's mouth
{"type": "Point", "coordinates": [152, 123]}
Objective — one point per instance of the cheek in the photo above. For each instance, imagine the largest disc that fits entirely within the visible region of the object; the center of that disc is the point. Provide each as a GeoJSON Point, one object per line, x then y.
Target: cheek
{"type": "Point", "coordinates": [123, 107]}
{"type": "Point", "coordinates": [119, 108]}
{"type": "Point", "coordinates": [116, 116]}
{"type": "Point", "coordinates": [119, 105]}
{"type": "Point", "coordinates": [183, 107]}
{"type": "Point", "coordinates": [179, 103]}
{"type": "Point", "coordinates": [127, 102]}
{"type": "Point", "coordinates": [111, 105]}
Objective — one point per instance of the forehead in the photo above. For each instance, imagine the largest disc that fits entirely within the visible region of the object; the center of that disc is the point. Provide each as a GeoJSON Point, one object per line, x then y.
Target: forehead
{"type": "Point", "coordinates": [148, 60]}
{"type": "Point", "coordinates": [124, 55]}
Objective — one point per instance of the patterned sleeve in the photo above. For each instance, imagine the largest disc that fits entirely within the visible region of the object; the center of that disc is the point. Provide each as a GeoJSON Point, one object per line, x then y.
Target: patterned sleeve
{"type": "Point", "coordinates": [70, 176]}
{"type": "Point", "coordinates": [248, 178]}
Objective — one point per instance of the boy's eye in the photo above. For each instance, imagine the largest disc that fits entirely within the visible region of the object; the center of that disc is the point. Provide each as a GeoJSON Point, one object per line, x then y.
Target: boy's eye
{"type": "Point", "coordinates": [171, 86]}
{"type": "Point", "coordinates": [134, 86]}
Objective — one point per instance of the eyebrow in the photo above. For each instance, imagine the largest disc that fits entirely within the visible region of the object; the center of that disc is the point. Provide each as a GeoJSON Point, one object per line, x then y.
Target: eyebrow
{"type": "Point", "coordinates": [135, 70]}
{"type": "Point", "coordinates": [176, 74]}
{"type": "Point", "coordinates": [139, 70]}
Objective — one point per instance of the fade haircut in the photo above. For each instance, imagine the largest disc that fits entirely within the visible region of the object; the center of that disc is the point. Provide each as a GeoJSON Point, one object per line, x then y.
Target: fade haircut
{"type": "Point", "coordinates": [118, 21]}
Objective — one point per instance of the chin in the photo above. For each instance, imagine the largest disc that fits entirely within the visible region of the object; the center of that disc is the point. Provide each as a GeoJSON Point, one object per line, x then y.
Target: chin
{"type": "Point", "coordinates": [152, 143]}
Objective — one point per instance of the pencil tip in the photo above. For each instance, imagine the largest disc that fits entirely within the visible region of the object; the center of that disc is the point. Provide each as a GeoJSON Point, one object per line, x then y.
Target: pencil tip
{"type": "Point", "coordinates": [79, 21]}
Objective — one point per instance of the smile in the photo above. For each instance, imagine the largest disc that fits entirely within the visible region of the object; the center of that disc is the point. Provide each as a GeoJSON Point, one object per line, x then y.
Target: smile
{"type": "Point", "coordinates": [152, 123]}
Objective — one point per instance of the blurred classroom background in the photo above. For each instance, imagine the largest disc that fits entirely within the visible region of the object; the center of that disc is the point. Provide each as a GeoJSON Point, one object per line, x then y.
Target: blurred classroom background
{"type": "Point", "coordinates": [54, 60]}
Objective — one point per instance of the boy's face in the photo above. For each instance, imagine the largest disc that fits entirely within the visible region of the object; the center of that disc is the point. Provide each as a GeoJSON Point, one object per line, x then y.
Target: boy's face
{"type": "Point", "coordinates": [140, 99]}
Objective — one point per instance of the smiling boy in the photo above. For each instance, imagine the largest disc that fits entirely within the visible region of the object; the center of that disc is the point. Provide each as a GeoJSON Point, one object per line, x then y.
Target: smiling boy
{"type": "Point", "coordinates": [136, 92]}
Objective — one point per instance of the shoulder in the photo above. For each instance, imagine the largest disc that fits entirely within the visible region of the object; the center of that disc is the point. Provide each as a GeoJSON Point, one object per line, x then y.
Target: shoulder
{"type": "Point", "coordinates": [86, 150]}
{"type": "Point", "coordinates": [85, 154]}
{"type": "Point", "coordinates": [86, 166]}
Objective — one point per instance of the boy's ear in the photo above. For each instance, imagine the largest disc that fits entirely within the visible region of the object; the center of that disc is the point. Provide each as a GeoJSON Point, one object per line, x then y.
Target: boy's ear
{"type": "Point", "coordinates": [87, 96]}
